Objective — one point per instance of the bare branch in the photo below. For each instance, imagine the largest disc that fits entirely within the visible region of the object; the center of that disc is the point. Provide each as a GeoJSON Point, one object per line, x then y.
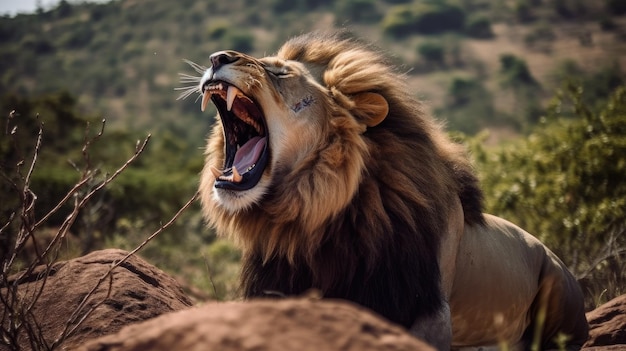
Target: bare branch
{"type": "Point", "coordinates": [35, 155]}
{"type": "Point", "coordinates": [77, 207]}
{"type": "Point", "coordinates": [88, 141]}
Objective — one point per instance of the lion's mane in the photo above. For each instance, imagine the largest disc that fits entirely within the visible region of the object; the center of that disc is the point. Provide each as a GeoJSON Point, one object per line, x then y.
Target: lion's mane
{"type": "Point", "coordinates": [363, 216]}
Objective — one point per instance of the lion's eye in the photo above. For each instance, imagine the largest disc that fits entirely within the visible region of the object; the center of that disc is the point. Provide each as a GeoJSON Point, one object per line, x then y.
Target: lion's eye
{"type": "Point", "coordinates": [281, 72]}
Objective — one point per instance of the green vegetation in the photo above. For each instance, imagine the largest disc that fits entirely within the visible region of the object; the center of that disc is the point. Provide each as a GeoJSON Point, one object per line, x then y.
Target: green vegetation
{"type": "Point", "coordinates": [431, 17]}
{"type": "Point", "coordinates": [480, 64]}
{"type": "Point", "coordinates": [564, 183]}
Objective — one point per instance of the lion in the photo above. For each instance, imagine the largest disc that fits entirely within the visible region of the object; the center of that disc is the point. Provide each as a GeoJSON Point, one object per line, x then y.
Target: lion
{"type": "Point", "coordinates": [331, 176]}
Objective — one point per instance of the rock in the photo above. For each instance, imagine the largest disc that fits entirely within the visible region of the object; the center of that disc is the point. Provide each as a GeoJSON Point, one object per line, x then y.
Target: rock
{"type": "Point", "coordinates": [139, 291]}
{"type": "Point", "coordinates": [285, 324]}
{"type": "Point", "coordinates": [607, 325]}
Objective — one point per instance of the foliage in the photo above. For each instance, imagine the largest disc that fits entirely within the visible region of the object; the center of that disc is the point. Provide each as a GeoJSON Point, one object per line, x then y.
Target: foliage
{"type": "Point", "coordinates": [514, 71]}
{"type": "Point", "coordinates": [598, 84]}
{"type": "Point", "coordinates": [540, 33]}
{"type": "Point", "coordinates": [469, 106]}
{"type": "Point", "coordinates": [424, 18]}
{"type": "Point", "coordinates": [564, 183]}
{"type": "Point", "coordinates": [479, 27]}
{"type": "Point", "coordinates": [358, 11]}
{"type": "Point", "coordinates": [570, 9]}
{"type": "Point", "coordinates": [616, 7]}
{"type": "Point", "coordinates": [523, 11]}
{"type": "Point", "coordinates": [432, 52]}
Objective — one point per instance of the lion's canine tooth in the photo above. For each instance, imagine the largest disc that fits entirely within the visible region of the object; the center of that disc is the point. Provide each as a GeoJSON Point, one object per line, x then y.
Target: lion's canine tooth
{"type": "Point", "coordinates": [231, 94]}
{"type": "Point", "coordinates": [216, 172]}
{"type": "Point", "coordinates": [205, 99]}
{"type": "Point", "coordinates": [236, 176]}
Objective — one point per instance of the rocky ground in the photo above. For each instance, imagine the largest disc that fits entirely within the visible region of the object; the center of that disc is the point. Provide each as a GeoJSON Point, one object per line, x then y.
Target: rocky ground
{"type": "Point", "coordinates": [142, 308]}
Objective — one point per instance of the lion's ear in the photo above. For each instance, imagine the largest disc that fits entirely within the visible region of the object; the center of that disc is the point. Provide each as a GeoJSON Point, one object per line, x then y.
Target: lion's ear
{"type": "Point", "coordinates": [372, 107]}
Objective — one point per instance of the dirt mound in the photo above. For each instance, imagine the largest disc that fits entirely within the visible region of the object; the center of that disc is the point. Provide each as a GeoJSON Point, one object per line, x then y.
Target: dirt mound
{"type": "Point", "coordinates": [285, 324]}
{"type": "Point", "coordinates": [139, 291]}
{"type": "Point", "coordinates": [607, 325]}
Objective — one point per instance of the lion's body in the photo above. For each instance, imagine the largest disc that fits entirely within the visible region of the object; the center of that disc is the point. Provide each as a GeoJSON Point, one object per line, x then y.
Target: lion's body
{"type": "Point", "coordinates": [363, 196]}
{"type": "Point", "coordinates": [504, 277]}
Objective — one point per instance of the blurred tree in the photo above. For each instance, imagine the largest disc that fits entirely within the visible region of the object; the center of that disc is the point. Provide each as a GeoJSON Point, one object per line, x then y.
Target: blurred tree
{"type": "Point", "coordinates": [432, 52]}
{"type": "Point", "coordinates": [358, 11]}
{"type": "Point", "coordinates": [479, 27]}
{"type": "Point", "coordinates": [431, 17]}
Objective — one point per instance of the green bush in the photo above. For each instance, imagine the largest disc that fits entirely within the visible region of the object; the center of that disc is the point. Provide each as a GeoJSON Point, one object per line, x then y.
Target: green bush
{"type": "Point", "coordinates": [423, 18]}
{"type": "Point", "coordinates": [432, 52]}
{"type": "Point", "coordinates": [218, 29]}
{"type": "Point", "coordinates": [398, 22]}
{"type": "Point", "coordinates": [468, 106]}
{"type": "Point", "coordinates": [438, 17]}
{"type": "Point", "coordinates": [564, 183]}
{"type": "Point", "coordinates": [523, 11]}
{"type": "Point", "coordinates": [239, 40]}
{"type": "Point", "coordinates": [514, 71]}
{"type": "Point", "coordinates": [570, 9]}
{"type": "Point", "coordinates": [479, 27]}
{"type": "Point", "coordinates": [358, 11]}
{"type": "Point", "coordinates": [616, 7]}
{"type": "Point", "coordinates": [540, 33]}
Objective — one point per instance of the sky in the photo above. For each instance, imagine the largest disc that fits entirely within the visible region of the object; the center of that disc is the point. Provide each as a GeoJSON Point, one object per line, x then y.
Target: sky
{"type": "Point", "coordinates": [13, 7]}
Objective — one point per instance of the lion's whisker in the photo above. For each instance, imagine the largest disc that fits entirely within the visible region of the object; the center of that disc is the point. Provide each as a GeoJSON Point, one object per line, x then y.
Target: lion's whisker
{"type": "Point", "coordinates": [198, 68]}
{"type": "Point", "coordinates": [187, 91]}
{"type": "Point", "coordinates": [186, 78]}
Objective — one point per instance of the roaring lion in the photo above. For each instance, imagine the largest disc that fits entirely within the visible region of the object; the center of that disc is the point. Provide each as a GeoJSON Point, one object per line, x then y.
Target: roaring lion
{"type": "Point", "coordinates": [331, 176]}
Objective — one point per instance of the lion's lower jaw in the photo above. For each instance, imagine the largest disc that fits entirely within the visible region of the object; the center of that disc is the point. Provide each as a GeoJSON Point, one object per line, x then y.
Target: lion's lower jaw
{"type": "Point", "coordinates": [234, 201]}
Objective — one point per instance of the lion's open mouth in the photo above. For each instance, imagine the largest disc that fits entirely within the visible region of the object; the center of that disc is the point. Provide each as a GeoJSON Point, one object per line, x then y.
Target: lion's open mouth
{"type": "Point", "coordinates": [245, 134]}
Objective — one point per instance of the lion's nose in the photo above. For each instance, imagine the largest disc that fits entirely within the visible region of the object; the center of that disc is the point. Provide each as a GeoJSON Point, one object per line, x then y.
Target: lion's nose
{"type": "Point", "coordinates": [221, 58]}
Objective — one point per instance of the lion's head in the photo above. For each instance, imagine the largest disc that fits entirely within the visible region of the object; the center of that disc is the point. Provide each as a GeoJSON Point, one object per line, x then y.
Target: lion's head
{"type": "Point", "coordinates": [323, 131]}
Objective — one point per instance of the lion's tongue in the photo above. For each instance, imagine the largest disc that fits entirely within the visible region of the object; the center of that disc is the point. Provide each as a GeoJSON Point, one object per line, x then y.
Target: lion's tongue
{"type": "Point", "coordinates": [249, 153]}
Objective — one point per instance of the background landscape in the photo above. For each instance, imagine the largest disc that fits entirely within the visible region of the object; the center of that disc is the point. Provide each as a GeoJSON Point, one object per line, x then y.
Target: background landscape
{"type": "Point", "coordinates": [535, 88]}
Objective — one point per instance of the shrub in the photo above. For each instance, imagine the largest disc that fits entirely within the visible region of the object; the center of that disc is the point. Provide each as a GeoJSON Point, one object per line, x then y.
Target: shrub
{"type": "Point", "coordinates": [540, 33]}
{"type": "Point", "coordinates": [360, 11]}
{"type": "Point", "coordinates": [514, 71]}
{"type": "Point", "coordinates": [432, 18]}
{"type": "Point", "coordinates": [398, 22]}
{"type": "Point", "coordinates": [432, 52]}
{"type": "Point", "coordinates": [239, 40]}
{"type": "Point", "coordinates": [469, 106]}
{"type": "Point", "coordinates": [564, 184]}
{"type": "Point", "coordinates": [217, 29]}
{"type": "Point", "coordinates": [616, 7]}
{"type": "Point", "coordinates": [424, 18]}
{"type": "Point", "coordinates": [523, 11]}
{"type": "Point", "coordinates": [479, 27]}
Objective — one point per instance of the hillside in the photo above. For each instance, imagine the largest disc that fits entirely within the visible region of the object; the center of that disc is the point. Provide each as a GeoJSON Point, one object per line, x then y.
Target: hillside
{"type": "Point", "coordinates": [121, 59]}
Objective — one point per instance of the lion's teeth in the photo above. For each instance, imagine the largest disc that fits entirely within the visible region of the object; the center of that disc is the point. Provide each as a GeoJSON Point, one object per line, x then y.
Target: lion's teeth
{"type": "Point", "coordinates": [236, 176]}
{"type": "Point", "coordinates": [205, 100]}
{"type": "Point", "coordinates": [231, 94]}
{"type": "Point", "coordinates": [216, 172]}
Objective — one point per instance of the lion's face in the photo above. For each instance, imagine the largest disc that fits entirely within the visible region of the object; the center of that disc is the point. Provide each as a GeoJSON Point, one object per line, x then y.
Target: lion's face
{"type": "Point", "coordinates": [270, 111]}
{"type": "Point", "coordinates": [275, 116]}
